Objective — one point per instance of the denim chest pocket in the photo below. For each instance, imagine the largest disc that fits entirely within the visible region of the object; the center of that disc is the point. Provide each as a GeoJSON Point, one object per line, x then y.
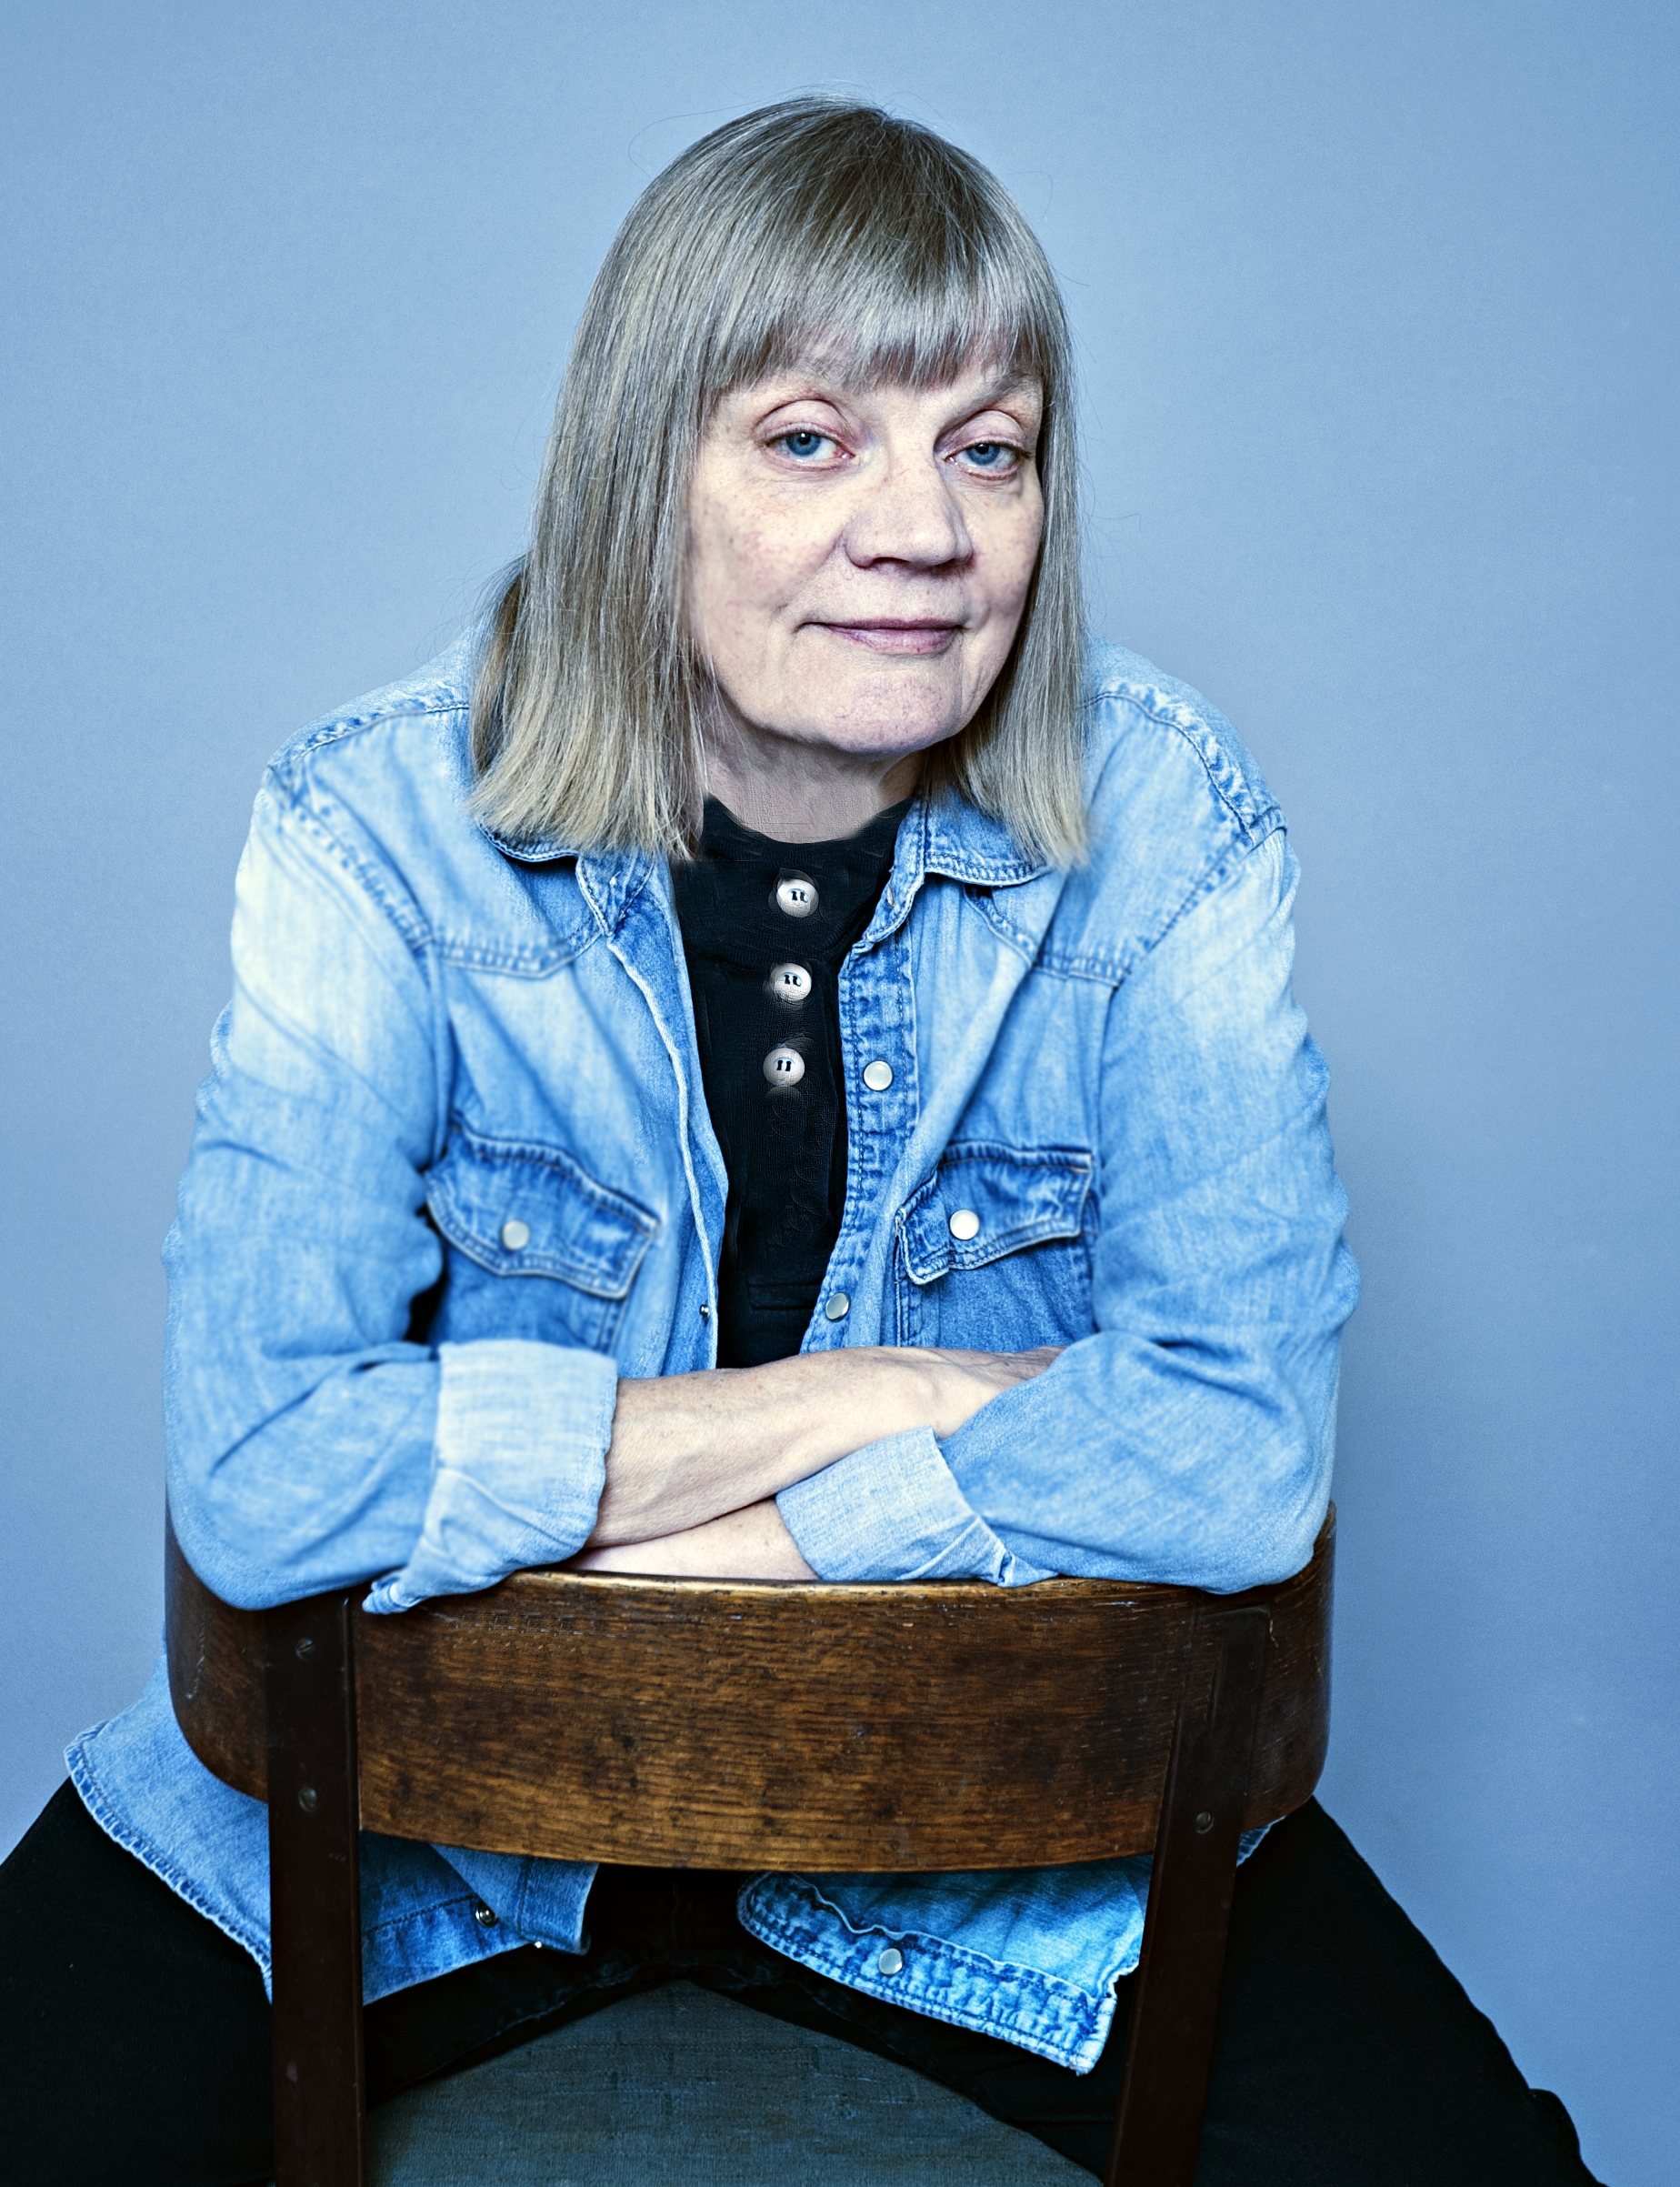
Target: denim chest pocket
{"type": "Point", "coordinates": [534, 1246]}
{"type": "Point", "coordinates": [994, 1252]}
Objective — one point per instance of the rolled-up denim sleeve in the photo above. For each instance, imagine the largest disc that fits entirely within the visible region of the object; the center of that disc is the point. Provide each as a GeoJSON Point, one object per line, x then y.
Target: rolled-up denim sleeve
{"type": "Point", "coordinates": [310, 1443]}
{"type": "Point", "coordinates": [1188, 1439]}
{"type": "Point", "coordinates": [519, 1464]}
{"type": "Point", "coordinates": [892, 1510]}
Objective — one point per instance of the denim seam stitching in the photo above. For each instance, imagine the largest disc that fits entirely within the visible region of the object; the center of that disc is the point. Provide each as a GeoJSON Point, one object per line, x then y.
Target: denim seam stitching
{"type": "Point", "coordinates": [1114, 971]}
{"type": "Point", "coordinates": [151, 1859]}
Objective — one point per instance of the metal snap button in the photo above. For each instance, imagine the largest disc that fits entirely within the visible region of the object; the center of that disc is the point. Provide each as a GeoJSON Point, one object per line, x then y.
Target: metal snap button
{"type": "Point", "coordinates": [784, 1067]}
{"type": "Point", "coordinates": [790, 983]}
{"type": "Point", "coordinates": [839, 1306]}
{"type": "Point", "coordinates": [890, 1961]}
{"type": "Point", "coordinates": [878, 1075]}
{"type": "Point", "coordinates": [964, 1224]}
{"type": "Point", "coordinates": [516, 1234]}
{"type": "Point", "coordinates": [486, 1916]}
{"type": "Point", "coordinates": [796, 898]}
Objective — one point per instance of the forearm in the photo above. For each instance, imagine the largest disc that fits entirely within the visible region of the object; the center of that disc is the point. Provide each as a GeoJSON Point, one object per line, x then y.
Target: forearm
{"type": "Point", "coordinates": [686, 1449]}
{"type": "Point", "coordinates": [750, 1544]}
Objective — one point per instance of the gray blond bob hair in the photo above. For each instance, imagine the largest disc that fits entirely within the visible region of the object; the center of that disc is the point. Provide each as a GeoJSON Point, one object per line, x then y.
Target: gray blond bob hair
{"type": "Point", "coordinates": [811, 229]}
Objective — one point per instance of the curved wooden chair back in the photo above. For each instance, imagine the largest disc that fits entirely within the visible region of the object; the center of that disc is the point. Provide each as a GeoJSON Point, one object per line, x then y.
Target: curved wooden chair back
{"type": "Point", "coordinates": [728, 1725]}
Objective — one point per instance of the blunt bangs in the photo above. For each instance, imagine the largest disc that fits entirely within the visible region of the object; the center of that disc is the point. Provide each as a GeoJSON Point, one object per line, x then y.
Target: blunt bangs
{"type": "Point", "coordinates": [874, 330]}
{"type": "Point", "coordinates": [902, 277]}
{"type": "Point", "coordinates": [813, 233]}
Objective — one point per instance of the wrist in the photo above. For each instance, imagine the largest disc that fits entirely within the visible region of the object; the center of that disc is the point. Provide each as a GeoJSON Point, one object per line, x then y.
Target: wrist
{"type": "Point", "coordinates": [749, 1544]}
{"type": "Point", "coordinates": [848, 1400]}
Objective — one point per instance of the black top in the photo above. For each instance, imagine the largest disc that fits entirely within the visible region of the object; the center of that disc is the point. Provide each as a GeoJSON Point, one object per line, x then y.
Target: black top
{"type": "Point", "coordinates": [765, 929]}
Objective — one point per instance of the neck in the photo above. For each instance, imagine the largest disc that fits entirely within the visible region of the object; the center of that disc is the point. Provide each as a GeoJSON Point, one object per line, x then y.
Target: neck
{"type": "Point", "coordinates": [802, 793]}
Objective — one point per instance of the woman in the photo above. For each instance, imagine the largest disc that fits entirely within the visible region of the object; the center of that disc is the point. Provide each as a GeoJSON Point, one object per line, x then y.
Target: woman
{"type": "Point", "coordinates": [769, 1060]}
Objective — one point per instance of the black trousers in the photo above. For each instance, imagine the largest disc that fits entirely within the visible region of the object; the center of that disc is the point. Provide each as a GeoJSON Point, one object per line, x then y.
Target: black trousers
{"type": "Point", "coordinates": [134, 2035]}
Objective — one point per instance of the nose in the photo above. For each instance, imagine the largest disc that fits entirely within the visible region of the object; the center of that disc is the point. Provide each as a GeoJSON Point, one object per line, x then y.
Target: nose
{"type": "Point", "coordinates": [907, 514]}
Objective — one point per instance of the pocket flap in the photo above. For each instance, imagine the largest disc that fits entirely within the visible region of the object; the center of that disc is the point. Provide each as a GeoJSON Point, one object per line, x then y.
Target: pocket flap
{"type": "Point", "coordinates": [530, 1210]}
{"type": "Point", "coordinates": [1000, 1199]}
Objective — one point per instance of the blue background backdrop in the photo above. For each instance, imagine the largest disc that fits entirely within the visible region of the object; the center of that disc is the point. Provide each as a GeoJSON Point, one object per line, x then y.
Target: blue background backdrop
{"type": "Point", "coordinates": [1376, 308]}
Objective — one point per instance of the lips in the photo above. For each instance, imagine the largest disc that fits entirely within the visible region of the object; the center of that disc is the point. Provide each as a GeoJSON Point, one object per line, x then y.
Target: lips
{"type": "Point", "coordinates": [885, 635]}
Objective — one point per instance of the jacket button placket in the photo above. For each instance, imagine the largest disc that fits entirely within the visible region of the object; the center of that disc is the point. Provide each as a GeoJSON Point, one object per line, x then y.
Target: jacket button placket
{"type": "Point", "coordinates": [880, 1093]}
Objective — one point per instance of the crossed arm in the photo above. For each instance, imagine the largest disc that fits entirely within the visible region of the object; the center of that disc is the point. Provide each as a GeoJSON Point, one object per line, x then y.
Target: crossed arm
{"type": "Point", "coordinates": [696, 1460]}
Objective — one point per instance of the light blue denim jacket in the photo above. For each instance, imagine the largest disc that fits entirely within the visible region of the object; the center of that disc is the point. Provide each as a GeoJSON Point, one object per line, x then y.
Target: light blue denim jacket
{"type": "Point", "coordinates": [434, 1035]}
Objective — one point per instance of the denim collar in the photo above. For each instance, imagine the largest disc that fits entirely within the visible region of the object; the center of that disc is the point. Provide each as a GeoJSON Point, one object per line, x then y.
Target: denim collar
{"type": "Point", "coordinates": [947, 836]}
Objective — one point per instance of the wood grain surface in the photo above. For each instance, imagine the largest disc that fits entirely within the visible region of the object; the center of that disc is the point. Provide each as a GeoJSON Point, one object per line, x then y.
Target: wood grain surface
{"type": "Point", "coordinates": [721, 1724]}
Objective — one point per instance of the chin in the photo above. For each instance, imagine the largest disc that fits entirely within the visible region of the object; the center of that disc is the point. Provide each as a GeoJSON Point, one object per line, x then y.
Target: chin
{"type": "Point", "coordinates": [895, 721]}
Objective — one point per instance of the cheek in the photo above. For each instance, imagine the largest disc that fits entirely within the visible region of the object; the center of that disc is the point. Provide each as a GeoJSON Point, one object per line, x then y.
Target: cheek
{"type": "Point", "coordinates": [736, 603]}
{"type": "Point", "coordinates": [747, 565]}
{"type": "Point", "coordinates": [720, 570]}
{"type": "Point", "coordinates": [1011, 557]}
{"type": "Point", "coordinates": [715, 553]}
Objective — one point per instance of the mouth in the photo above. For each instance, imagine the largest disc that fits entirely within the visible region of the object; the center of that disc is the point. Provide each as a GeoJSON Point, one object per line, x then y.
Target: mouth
{"type": "Point", "coordinates": [895, 634]}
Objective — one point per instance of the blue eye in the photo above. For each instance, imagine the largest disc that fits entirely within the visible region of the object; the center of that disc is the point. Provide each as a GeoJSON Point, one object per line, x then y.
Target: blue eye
{"type": "Point", "coordinates": [989, 455]}
{"type": "Point", "coordinates": [804, 443]}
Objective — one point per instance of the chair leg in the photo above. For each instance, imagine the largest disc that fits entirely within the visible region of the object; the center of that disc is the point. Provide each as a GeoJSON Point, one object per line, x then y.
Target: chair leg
{"type": "Point", "coordinates": [320, 2108]}
{"type": "Point", "coordinates": [1170, 2048]}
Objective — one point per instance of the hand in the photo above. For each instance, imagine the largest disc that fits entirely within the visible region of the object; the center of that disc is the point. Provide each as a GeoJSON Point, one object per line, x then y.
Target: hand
{"type": "Point", "coordinates": [750, 1544]}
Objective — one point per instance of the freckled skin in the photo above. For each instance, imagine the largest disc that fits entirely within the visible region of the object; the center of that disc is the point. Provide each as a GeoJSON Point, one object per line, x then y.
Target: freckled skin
{"type": "Point", "coordinates": [859, 561]}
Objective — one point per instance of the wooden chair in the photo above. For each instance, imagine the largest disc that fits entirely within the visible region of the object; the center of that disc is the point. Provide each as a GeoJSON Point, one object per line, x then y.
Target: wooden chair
{"type": "Point", "coordinates": [716, 1724]}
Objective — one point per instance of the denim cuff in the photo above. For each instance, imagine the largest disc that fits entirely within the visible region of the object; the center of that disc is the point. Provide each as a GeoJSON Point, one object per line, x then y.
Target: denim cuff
{"type": "Point", "coordinates": [542, 1902]}
{"type": "Point", "coordinates": [892, 1510]}
{"type": "Point", "coordinates": [518, 1464]}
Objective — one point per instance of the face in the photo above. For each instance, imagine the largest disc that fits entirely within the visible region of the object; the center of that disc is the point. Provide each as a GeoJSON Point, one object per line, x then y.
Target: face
{"type": "Point", "coordinates": [859, 558]}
